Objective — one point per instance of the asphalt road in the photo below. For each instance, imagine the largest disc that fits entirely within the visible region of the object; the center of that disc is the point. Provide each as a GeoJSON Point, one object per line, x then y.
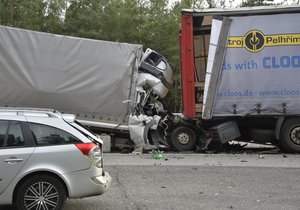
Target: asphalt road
{"type": "Point", "coordinates": [198, 181]}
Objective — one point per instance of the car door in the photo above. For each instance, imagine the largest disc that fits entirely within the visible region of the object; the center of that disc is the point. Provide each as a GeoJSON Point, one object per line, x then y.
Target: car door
{"type": "Point", "coordinates": [14, 149]}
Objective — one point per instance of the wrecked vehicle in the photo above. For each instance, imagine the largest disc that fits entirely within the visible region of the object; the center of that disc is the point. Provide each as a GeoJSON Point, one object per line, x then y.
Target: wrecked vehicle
{"type": "Point", "coordinates": [111, 87]}
{"type": "Point", "coordinates": [240, 76]}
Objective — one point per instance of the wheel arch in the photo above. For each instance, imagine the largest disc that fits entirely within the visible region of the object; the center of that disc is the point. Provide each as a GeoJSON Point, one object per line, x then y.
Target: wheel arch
{"type": "Point", "coordinates": [39, 173]}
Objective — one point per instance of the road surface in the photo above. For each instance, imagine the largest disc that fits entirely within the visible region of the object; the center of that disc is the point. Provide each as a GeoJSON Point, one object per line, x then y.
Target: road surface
{"type": "Point", "coordinates": [198, 181]}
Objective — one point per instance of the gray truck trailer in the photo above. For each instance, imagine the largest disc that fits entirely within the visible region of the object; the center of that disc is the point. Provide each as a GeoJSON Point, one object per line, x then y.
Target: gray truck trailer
{"type": "Point", "coordinates": [111, 87]}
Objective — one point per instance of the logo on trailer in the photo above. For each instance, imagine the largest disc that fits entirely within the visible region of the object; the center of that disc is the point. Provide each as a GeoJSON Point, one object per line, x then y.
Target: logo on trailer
{"type": "Point", "coordinates": [255, 40]}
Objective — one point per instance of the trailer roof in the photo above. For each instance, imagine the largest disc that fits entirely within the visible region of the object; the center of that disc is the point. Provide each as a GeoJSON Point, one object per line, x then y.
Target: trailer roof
{"type": "Point", "coordinates": [244, 10]}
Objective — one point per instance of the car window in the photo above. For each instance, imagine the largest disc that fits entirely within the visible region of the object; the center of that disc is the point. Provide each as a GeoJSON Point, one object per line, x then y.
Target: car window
{"type": "Point", "coordinates": [47, 135]}
{"type": "Point", "coordinates": [11, 134]}
{"type": "Point", "coordinates": [3, 130]}
{"type": "Point", "coordinates": [15, 135]}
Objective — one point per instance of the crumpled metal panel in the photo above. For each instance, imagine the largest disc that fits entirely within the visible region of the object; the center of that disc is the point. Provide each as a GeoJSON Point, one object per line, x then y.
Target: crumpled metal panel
{"type": "Point", "coordinates": [155, 83]}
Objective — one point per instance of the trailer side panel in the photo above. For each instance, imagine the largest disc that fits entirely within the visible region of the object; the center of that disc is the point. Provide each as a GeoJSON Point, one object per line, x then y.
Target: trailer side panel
{"type": "Point", "coordinates": [89, 78]}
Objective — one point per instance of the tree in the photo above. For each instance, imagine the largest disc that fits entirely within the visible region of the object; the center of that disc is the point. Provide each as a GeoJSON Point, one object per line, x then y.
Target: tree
{"type": "Point", "coordinates": [53, 15]}
{"type": "Point", "coordinates": [24, 14]}
{"type": "Point", "coordinates": [82, 19]}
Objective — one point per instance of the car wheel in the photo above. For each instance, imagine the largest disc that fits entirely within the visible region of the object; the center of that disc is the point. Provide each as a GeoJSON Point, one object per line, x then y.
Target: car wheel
{"type": "Point", "coordinates": [183, 138]}
{"type": "Point", "coordinates": [290, 135]}
{"type": "Point", "coordinates": [41, 192]}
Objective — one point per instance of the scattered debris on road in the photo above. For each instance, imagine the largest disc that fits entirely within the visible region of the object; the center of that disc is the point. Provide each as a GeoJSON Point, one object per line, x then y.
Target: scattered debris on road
{"type": "Point", "coordinates": [157, 155]}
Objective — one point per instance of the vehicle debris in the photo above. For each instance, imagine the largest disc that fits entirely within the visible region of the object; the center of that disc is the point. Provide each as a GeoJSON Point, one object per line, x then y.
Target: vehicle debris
{"type": "Point", "coordinates": [157, 155]}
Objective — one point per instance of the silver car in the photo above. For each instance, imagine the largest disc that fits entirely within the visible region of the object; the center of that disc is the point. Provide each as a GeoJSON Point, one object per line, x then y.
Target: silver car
{"type": "Point", "coordinates": [47, 157]}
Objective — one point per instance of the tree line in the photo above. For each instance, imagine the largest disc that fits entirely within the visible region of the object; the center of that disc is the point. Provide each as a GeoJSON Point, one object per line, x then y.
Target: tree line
{"type": "Point", "coordinates": [151, 23]}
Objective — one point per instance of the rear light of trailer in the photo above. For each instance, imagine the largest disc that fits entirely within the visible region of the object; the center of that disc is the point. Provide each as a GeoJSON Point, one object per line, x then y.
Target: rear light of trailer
{"type": "Point", "coordinates": [92, 152]}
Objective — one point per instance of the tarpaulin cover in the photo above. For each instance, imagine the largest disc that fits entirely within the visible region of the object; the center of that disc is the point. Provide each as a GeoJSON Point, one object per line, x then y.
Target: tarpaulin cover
{"type": "Point", "coordinates": [261, 69]}
{"type": "Point", "coordinates": [86, 77]}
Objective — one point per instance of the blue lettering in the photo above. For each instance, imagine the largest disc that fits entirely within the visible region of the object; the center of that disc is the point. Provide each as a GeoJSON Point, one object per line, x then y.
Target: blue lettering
{"type": "Point", "coordinates": [285, 61]}
{"type": "Point", "coordinates": [265, 62]}
{"type": "Point", "coordinates": [274, 65]}
{"type": "Point", "coordinates": [296, 61]}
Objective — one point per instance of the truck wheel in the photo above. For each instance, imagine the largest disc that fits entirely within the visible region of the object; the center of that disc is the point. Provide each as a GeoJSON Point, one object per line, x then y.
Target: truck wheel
{"type": "Point", "coordinates": [41, 192]}
{"type": "Point", "coordinates": [183, 138]}
{"type": "Point", "coordinates": [290, 135]}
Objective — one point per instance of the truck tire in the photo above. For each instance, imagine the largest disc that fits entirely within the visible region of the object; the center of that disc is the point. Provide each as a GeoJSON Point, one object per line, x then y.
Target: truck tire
{"type": "Point", "coordinates": [289, 140]}
{"type": "Point", "coordinates": [183, 138]}
{"type": "Point", "coordinates": [41, 192]}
